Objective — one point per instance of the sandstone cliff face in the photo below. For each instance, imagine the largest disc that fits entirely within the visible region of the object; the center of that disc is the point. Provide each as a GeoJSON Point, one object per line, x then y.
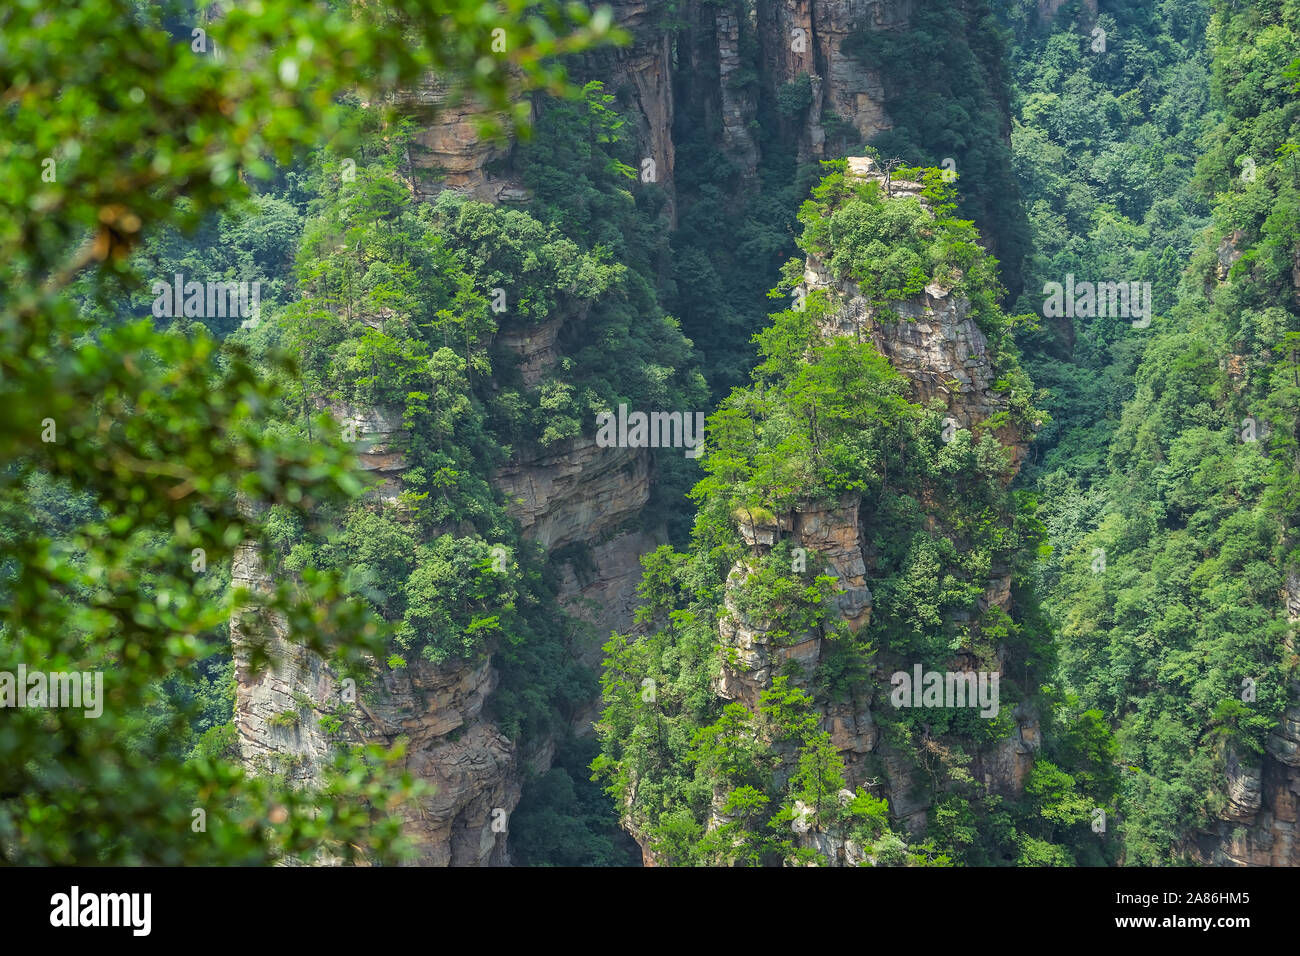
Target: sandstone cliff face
{"type": "Point", "coordinates": [381, 444]}
{"type": "Point", "coordinates": [474, 769]}
{"type": "Point", "coordinates": [448, 150]}
{"type": "Point", "coordinates": [1259, 825]}
{"type": "Point", "coordinates": [808, 36]}
{"type": "Point", "coordinates": [935, 342]}
{"type": "Point", "coordinates": [735, 53]}
{"type": "Point", "coordinates": [699, 61]}
{"type": "Point", "coordinates": [588, 496]}
{"type": "Point", "coordinates": [577, 494]}
{"type": "Point", "coordinates": [532, 349]}
{"type": "Point", "coordinates": [827, 532]}
{"type": "Point", "coordinates": [581, 495]}
{"type": "Point", "coordinates": [641, 75]}
{"type": "Point", "coordinates": [943, 354]}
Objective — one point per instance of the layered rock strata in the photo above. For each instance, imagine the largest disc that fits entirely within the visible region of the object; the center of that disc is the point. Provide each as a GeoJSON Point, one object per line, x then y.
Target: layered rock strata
{"type": "Point", "coordinates": [934, 342]}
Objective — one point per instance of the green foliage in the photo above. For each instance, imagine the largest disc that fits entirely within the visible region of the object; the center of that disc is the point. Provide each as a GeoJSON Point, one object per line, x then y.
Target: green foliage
{"type": "Point", "coordinates": [1172, 531]}
{"type": "Point", "coordinates": [564, 819]}
{"type": "Point", "coordinates": [448, 597]}
{"type": "Point", "coordinates": [893, 247]}
{"type": "Point", "coordinates": [164, 441]}
{"type": "Point", "coordinates": [954, 111]}
{"type": "Point", "coordinates": [796, 96]}
{"type": "Point", "coordinates": [1105, 142]}
{"type": "Point", "coordinates": [824, 424]}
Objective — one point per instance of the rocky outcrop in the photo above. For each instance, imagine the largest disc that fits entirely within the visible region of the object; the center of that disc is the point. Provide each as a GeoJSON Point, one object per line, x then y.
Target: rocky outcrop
{"type": "Point", "coordinates": [1227, 254]}
{"type": "Point", "coordinates": [642, 74]}
{"type": "Point", "coordinates": [934, 341]}
{"type": "Point", "coordinates": [831, 533]}
{"type": "Point", "coordinates": [381, 442]}
{"type": "Point", "coordinates": [738, 107]}
{"type": "Point", "coordinates": [751, 651]}
{"type": "Point", "coordinates": [827, 532]}
{"type": "Point", "coordinates": [854, 91]}
{"type": "Point", "coordinates": [584, 497]}
{"type": "Point", "coordinates": [290, 717]}
{"type": "Point", "coordinates": [274, 709]}
{"type": "Point", "coordinates": [1004, 769]}
{"type": "Point", "coordinates": [578, 496]}
{"type": "Point", "coordinates": [603, 591]}
{"type": "Point", "coordinates": [448, 149]}
{"type": "Point", "coordinates": [1260, 822]}
{"type": "Point", "coordinates": [532, 348]}
{"type": "Point", "coordinates": [809, 37]}
{"type": "Point", "coordinates": [578, 493]}
{"type": "Point", "coordinates": [752, 654]}
{"type": "Point", "coordinates": [777, 40]}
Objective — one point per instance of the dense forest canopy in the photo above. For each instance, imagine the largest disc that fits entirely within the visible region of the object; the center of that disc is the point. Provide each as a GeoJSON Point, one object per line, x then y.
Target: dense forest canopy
{"type": "Point", "coordinates": [1095, 504]}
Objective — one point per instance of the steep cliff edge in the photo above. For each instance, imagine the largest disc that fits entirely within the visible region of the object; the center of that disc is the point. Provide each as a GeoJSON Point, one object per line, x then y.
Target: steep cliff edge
{"type": "Point", "coordinates": [437, 710]}
{"type": "Point", "coordinates": [856, 525]}
{"type": "Point", "coordinates": [579, 495]}
{"type": "Point", "coordinates": [934, 342]}
{"type": "Point", "coordinates": [711, 59]}
{"type": "Point", "coordinates": [808, 37]}
{"type": "Point", "coordinates": [581, 503]}
{"type": "Point", "coordinates": [474, 507]}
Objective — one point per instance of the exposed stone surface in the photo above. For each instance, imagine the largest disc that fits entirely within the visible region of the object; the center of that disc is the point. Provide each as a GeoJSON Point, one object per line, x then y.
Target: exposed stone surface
{"type": "Point", "coordinates": [649, 74]}
{"type": "Point", "coordinates": [751, 654]}
{"type": "Point", "coordinates": [1244, 796]}
{"type": "Point", "coordinates": [935, 342]}
{"type": "Point", "coordinates": [831, 532]}
{"type": "Point", "coordinates": [269, 735]}
{"type": "Point", "coordinates": [1258, 826]}
{"type": "Point", "coordinates": [1229, 252]}
{"type": "Point", "coordinates": [472, 766]}
{"type": "Point", "coordinates": [577, 493]}
{"type": "Point", "coordinates": [853, 730]}
{"type": "Point", "coordinates": [1005, 768]}
{"type": "Point", "coordinates": [580, 494]}
{"type": "Point", "coordinates": [738, 109]}
{"type": "Point", "coordinates": [751, 650]}
{"type": "Point", "coordinates": [532, 348]}
{"type": "Point", "coordinates": [938, 347]}
{"type": "Point", "coordinates": [808, 36]}
{"type": "Point", "coordinates": [905, 786]}
{"type": "Point", "coordinates": [605, 593]}
{"type": "Point", "coordinates": [381, 444]}
{"type": "Point", "coordinates": [448, 150]}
